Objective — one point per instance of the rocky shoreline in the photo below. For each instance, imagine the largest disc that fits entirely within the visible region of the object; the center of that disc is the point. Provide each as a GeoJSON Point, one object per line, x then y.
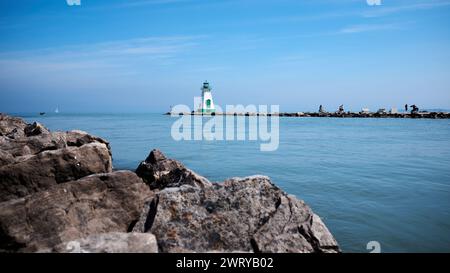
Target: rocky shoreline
{"type": "Point", "coordinates": [59, 193]}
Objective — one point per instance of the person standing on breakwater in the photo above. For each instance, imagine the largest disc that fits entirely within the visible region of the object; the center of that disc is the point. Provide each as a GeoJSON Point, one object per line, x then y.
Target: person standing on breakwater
{"type": "Point", "coordinates": [321, 109]}
{"type": "Point", "coordinates": [406, 107]}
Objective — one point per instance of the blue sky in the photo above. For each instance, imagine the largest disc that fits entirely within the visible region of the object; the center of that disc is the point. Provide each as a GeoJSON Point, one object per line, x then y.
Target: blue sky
{"type": "Point", "coordinates": [145, 55]}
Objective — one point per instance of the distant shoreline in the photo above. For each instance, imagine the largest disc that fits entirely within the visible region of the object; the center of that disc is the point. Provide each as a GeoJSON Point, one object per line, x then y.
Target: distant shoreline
{"type": "Point", "coordinates": [419, 115]}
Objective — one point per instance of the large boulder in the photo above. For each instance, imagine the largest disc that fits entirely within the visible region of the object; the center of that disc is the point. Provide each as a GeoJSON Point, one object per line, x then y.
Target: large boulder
{"type": "Point", "coordinates": [23, 147]}
{"type": "Point", "coordinates": [99, 203]}
{"type": "Point", "coordinates": [240, 214]}
{"type": "Point", "coordinates": [112, 242]}
{"type": "Point", "coordinates": [33, 159]}
{"type": "Point", "coordinates": [44, 170]}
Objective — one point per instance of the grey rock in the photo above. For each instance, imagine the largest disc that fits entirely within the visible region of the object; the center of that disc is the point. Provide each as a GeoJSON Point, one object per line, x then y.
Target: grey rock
{"type": "Point", "coordinates": [36, 159]}
{"type": "Point", "coordinates": [46, 169]}
{"type": "Point", "coordinates": [22, 147]}
{"type": "Point", "coordinates": [160, 172]}
{"type": "Point", "coordinates": [11, 126]}
{"type": "Point", "coordinates": [35, 129]}
{"type": "Point", "coordinates": [112, 242]}
{"type": "Point", "coordinates": [99, 203]}
{"type": "Point", "coordinates": [5, 158]}
{"type": "Point", "coordinates": [294, 228]}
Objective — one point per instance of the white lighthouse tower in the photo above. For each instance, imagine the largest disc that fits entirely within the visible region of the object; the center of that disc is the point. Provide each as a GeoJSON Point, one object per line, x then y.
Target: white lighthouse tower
{"type": "Point", "coordinates": [207, 105]}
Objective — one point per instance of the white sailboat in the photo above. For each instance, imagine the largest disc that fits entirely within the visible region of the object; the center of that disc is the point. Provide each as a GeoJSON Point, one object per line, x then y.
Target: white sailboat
{"type": "Point", "coordinates": [56, 110]}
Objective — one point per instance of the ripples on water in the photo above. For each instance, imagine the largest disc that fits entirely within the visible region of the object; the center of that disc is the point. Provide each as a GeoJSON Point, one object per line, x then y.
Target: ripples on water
{"type": "Point", "coordinates": [385, 180]}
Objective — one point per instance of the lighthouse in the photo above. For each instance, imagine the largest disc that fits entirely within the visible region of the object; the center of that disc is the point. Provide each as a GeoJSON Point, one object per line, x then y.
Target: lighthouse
{"type": "Point", "coordinates": [207, 105]}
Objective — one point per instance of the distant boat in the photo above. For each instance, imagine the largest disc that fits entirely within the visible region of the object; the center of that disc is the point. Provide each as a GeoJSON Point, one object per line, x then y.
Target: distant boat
{"type": "Point", "coordinates": [56, 110]}
{"type": "Point", "coordinates": [41, 113]}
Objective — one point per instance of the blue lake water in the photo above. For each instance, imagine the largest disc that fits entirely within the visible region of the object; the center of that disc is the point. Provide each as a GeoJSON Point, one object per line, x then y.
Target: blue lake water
{"type": "Point", "coordinates": [385, 180]}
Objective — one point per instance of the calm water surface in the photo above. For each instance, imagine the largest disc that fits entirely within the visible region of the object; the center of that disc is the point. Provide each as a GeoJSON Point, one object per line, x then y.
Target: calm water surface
{"type": "Point", "coordinates": [385, 180]}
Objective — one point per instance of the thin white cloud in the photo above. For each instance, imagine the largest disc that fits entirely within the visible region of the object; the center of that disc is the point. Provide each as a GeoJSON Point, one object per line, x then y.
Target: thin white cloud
{"type": "Point", "coordinates": [311, 17]}
{"type": "Point", "coordinates": [292, 58]}
{"type": "Point", "coordinates": [368, 28]}
{"type": "Point", "coordinates": [100, 60]}
{"type": "Point", "coordinates": [208, 69]}
{"type": "Point", "coordinates": [16, 66]}
{"type": "Point", "coordinates": [151, 47]}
